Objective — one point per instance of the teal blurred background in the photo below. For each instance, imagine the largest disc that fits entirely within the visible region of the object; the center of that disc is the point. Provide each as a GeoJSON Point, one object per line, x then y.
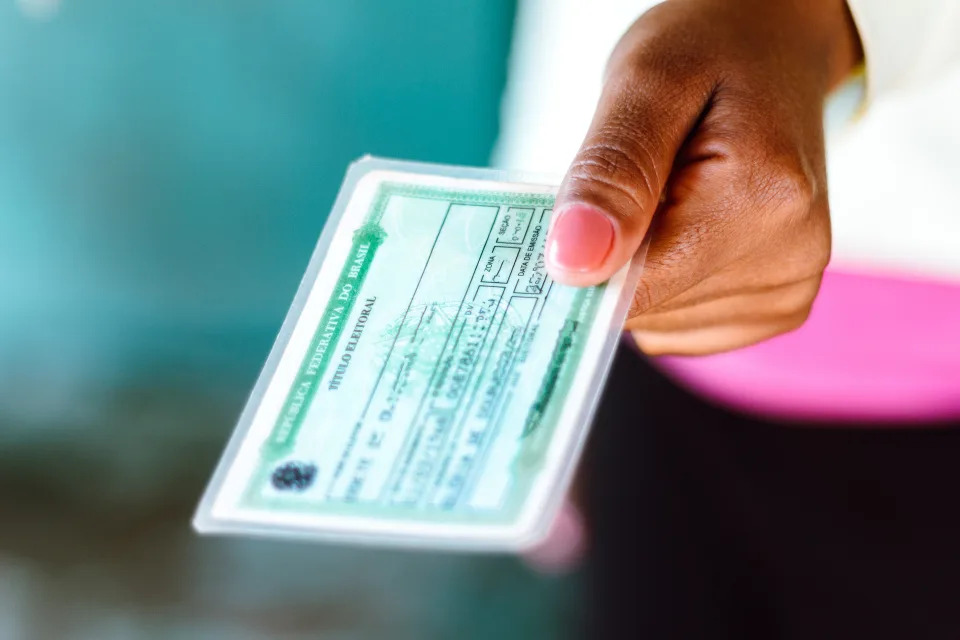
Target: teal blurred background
{"type": "Point", "coordinates": [165, 169]}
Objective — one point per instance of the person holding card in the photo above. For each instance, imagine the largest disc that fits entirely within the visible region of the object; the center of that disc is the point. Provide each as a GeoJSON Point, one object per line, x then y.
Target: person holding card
{"type": "Point", "coordinates": [787, 469]}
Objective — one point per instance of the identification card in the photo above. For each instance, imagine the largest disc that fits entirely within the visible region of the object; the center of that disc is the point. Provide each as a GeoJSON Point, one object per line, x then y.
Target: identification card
{"type": "Point", "coordinates": [432, 385]}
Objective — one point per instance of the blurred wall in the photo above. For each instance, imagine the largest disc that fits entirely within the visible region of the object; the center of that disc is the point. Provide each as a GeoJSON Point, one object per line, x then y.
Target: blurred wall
{"type": "Point", "coordinates": [165, 169]}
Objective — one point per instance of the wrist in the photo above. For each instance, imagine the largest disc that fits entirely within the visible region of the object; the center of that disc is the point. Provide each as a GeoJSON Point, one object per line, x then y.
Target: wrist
{"type": "Point", "coordinates": [845, 51]}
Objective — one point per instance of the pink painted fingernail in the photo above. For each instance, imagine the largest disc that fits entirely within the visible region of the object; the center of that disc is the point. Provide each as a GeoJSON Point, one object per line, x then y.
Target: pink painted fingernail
{"type": "Point", "coordinates": [580, 239]}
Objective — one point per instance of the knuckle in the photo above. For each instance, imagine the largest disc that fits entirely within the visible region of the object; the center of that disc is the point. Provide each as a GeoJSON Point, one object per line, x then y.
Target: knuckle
{"type": "Point", "coordinates": [797, 319]}
{"type": "Point", "coordinates": [819, 253]}
{"type": "Point", "coordinates": [796, 303]}
{"type": "Point", "coordinates": [642, 299]}
{"type": "Point", "coordinates": [787, 187]}
{"type": "Point", "coordinates": [791, 216]}
{"type": "Point", "coordinates": [609, 158]}
{"type": "Point", "coordinates": [616, 162]}
{"type": "Point", "coordinates": [674, 72]}
{"type": "Point", "coordinates": [812, 249]}
{"type": "Point", "coordinates": [652, 343]}
{"type": "Point", "coordinates": [778, 179]}
{"type": "Point", "coordinates": [798, 300]}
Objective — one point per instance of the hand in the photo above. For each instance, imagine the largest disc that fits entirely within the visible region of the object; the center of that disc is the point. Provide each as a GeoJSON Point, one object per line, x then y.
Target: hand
{"type": "Point", "coordinates": [709, 136]}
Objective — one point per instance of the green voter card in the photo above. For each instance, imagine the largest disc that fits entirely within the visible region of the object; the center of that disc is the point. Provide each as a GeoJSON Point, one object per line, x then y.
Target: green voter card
{"type": "Point", "coordinates": [432, 385]}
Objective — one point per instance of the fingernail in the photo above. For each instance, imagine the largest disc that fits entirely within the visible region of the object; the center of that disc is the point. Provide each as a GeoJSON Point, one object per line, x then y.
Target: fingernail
{"type": "Point", "coordinates": [564, 547]}
{"type": "Point", "coordinates": [580, 239]}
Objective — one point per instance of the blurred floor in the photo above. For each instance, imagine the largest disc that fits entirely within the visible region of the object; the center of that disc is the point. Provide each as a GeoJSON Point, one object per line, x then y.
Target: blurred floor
{"type": "Point", "coordinates": [77, 569]}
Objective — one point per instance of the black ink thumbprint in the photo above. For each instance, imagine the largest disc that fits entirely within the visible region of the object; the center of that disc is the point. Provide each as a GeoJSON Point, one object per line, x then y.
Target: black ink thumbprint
{"type": "Point", "coordinates": [295, 476]}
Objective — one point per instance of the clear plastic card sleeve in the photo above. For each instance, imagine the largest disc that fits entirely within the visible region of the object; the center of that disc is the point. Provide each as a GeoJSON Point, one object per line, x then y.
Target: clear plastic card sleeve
{"type": "Point", "coordinates": [430, 386]}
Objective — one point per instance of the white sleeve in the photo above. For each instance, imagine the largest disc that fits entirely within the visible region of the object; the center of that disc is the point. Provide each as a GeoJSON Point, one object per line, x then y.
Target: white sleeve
{"type": "Point", "coordinates": [906, 42]}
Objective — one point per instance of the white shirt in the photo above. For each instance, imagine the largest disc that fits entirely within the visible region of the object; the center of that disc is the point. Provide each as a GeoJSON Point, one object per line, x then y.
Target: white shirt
{"type": "Point", "coordinates": [894, 174]}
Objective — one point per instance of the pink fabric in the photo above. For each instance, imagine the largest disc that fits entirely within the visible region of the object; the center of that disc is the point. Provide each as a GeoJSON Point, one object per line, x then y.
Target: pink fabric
{"type": "Point", "coordinates": [875, 348]}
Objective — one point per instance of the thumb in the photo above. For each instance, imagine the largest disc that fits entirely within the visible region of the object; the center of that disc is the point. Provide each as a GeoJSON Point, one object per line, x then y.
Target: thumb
{"type": "Point", "coordinates": [614, 185]}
